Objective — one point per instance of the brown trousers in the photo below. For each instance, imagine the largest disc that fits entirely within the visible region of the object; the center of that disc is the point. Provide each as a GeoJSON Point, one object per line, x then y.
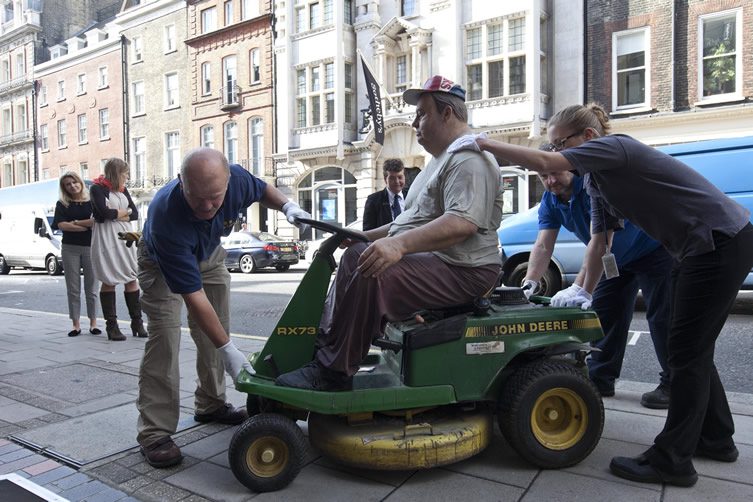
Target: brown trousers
{"type": "Point", "coordinates": [357, 308]}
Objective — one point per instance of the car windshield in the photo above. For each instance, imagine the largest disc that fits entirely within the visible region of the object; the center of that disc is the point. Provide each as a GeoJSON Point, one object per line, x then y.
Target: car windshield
{"type": "Point", "coordinates": [266, 236]}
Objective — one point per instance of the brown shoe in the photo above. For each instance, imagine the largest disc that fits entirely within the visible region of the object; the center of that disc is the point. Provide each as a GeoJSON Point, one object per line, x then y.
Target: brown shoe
{"type": "Point", "coordinates": [226, 414]}
{"type": "Point", "coordinates": [162, 453]}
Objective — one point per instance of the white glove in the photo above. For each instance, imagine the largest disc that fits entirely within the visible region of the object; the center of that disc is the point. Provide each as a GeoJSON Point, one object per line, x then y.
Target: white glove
{"type": "Point", "coordinates": [581, 299]}
{"type": "Point", "coordinates": [467, 142]}
{"type": "Point", "coordinates": [234, 360]}
{"type": "Point", "coordinates": [529, 287]}
{"type": "Point", "coordinates": [291, 210]}
{"type": "Point", "coordinates": [561, 298]}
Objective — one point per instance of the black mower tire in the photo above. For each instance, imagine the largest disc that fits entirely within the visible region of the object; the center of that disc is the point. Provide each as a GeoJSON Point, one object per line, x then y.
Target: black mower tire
{"type": "Point", "coordinates": [551, 413]}
{"type": "Point", "coordinates": [550, 282]}
{"type": "Point", "coordinates": [267, 452]}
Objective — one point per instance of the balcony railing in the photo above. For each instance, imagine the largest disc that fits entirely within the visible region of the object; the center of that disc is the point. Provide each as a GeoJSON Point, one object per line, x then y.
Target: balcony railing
{"type": "Point", "coordinates": [13, 84]}
{"type": "Point", "coordinates": [231, 96]}
{"type": "Point", "coordinates": [15, 137]}
{"type": "Point", "coordinates": [148, 182]}
{"type": "Point", "coordinates": [267, 169]}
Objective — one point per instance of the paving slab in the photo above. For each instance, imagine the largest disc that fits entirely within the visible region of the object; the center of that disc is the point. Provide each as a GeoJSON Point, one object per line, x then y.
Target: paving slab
{"type": "Point", "coordinates": [14, 412]}
{"type": "Point", "coordinates": [212, 482]}
{"type": "Point", "coordinates": [88, 438]}
{"type": "Point", "coordinates": [566, 486]}
{"type": "Point", "coordinates": [428, 485]}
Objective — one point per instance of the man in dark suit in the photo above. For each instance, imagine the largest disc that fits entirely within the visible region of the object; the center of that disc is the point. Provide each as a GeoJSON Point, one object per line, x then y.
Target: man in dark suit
{"type": "Point", "coordinates": [383, 206]}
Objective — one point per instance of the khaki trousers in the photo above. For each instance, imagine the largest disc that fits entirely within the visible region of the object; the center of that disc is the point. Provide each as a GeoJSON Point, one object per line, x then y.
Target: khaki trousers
{"type": "Point", "coordinates": [159, 377]}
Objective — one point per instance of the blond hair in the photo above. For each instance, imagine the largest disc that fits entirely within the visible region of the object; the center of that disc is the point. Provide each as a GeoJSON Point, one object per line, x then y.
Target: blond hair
{"type": "Point", "coordinates": [581, 117]}
{"type": "Point", "coordinates": [114, 167]}
{"type": "Point", "coordinates": [65, 197]}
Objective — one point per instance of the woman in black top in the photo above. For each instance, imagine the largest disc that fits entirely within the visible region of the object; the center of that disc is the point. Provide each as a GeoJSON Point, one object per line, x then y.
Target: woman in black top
{"type": "Point", "coordinates": [73, 215]}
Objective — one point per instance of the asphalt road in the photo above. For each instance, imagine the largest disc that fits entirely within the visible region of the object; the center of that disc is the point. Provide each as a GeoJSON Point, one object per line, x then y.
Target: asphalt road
{"type": "Point", "coordinates": [257, 300]}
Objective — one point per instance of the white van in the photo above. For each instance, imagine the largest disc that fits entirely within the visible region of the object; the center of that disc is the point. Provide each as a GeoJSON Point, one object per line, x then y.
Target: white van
{"type": "Point", "coordinates": [26, 238]}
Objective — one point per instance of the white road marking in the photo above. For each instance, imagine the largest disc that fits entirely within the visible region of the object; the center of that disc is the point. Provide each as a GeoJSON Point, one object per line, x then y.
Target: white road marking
{"type": "Point", "coordinates": [635, 336]}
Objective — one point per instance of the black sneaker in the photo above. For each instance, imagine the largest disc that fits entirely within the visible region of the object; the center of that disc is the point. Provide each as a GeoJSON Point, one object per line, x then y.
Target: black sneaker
{"type": "Point", "coordinates": [725, 455]}
{"type": "Point", "coordinates": [225, 414]}
{"type": "Point", "coordinates": [605, 389]}
{"type": "Point", "coordinates": [315, 376]}
{"type": "Point", "coordinates": [657, 399]}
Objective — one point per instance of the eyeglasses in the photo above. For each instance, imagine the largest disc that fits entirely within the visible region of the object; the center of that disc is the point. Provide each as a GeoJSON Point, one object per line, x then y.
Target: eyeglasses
{"type": "Point", "coordinates": [559, 144]}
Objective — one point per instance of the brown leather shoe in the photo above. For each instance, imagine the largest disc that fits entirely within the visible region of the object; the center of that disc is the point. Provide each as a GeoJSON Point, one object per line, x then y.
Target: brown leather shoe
{"type": "Point", "coordinates": [162, 453]}
{"type": "Point", "coordinates": [226, 414]}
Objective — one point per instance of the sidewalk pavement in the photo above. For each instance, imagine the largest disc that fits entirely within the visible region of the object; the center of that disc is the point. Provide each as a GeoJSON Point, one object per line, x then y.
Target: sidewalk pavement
{"type": "Point", "coordinates": [67, 423]}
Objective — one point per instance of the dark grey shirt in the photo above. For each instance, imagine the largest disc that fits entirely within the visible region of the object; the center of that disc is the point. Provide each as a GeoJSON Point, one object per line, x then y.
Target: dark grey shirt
{"type": "Point", "coordinates": [668, 200]}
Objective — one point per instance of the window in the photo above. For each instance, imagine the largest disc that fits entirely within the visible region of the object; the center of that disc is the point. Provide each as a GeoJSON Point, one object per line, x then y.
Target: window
{"type": "Point", "coordinates": [231, 142]}
{"type": "Point", "coordinates": [408, 7]}
{"type": "Point", "coordinates": [208, 20]}
{"type": "Point", "coordinates": [82, 135]}
{"type": "Point", "coordinates": [62, 140]}
{"type": "Point", "coordinates": [43, 95]}
{"type": "Point", "coordinates": [230, 75]}
{"type": "Point", "coordinates": [102, 77]}
{"type": "Point", "coordinates": [349, 97]}
{"type": "Point", "coordinates": [172, 153]}
{"type": "Point", "coordinates": [7, 121]}
{"type": "Point", "coordinates": [206, 79]}
{"type": "Point", "coordinates": [401, 73]}
{"type": "Point", "coordinates": [81, 83]}
{"type": "Point", "coordinates": [315, 97]}
{"type": "Point", "coordinates": [138, 49]}
{"type": "Point", "coordinates": [328, 13]}
{"type": "Point", "coordinates": [254, 66]}
{"type": "Point", "coordinates": [315, 15]}
{"type": "Point", "coordinates": [138, 98]}
{"type": "Point", "coordinates": [250, 9]}
{"type": "Point", "coordinates": [44, 141]}
{"type": "Point", "coordinates": [720, 60]}
{"type": "Point", "coordinates": [21, 117]}
{"type": "Point", "coordinates": [171, 90]}
{"type": "Point", "coordinates": [61, 90]}
{"type": "Point", "coordinates": [139, 159]}
{"type": "Point", "coordinates": [300, 113]}
{"type": "Point", "coordinates": [5, 70]}
{"type": "Point", "coordinates": [207, 136]}
{"type": "Point", "coordinates": [20, 66]}
{"type": "Point", "coordinates": [256, 145]}
{"type": "Point", "coordinates": [170, 44]}
{"type": "Point", "coordinates": [495, 68]}
{"type": "Point", "coordinates": [83, 169]}
{"type": "Point", "coordinates": [348, 12]}
{"type": "Point", "coordinates": [104, 123]}
{"type": "Point", "coordinates": [228, 12]}
{"type": "Point", "coordinates": [300, 19]}
{"type": "Point", "coordinates": [629, 65]}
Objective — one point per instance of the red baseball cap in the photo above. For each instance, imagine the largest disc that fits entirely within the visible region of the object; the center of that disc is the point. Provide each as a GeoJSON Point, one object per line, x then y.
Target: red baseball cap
{"type": "Point", "coordinates": [437, 83]}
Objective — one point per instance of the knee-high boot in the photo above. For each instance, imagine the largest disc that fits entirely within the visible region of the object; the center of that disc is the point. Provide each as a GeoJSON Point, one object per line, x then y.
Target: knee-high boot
{"type": "Point", "coordinates": [109, 312]}
{"type": "Point", "coordinates": [134, 309]}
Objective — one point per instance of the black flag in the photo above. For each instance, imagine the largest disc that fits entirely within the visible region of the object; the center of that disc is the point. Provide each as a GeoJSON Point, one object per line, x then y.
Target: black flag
{"type": "Point", "coordinates": [375, 103]}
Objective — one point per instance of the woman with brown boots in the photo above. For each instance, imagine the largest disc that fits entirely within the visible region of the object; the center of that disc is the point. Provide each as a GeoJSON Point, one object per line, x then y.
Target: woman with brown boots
{"type": "Point", "coordinates": [114, 262]}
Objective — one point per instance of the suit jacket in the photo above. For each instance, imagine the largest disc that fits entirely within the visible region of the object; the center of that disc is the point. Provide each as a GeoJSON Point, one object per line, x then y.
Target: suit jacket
{"type": "Point", "coordinates": [377, 211]}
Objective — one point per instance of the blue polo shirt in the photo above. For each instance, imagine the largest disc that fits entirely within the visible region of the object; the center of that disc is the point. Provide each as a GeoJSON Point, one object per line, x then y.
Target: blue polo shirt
{"type": "Point", "coordinates": [177, 241]}
{"type": "Point", "coordinates": [628, 244]}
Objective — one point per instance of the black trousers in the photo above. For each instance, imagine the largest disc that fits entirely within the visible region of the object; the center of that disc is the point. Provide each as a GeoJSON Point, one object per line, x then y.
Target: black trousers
{"type": "Point", "coordinates": [705, 288]}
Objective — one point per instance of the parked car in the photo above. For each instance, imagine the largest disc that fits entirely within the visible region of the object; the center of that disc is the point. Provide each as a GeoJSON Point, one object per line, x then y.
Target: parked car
{"type": "Point", "coordinates": [250, 251]}
{"type": "Point", "coordinates": [727, 163]}
{"type": "Point", "coordinates": [313, 246]}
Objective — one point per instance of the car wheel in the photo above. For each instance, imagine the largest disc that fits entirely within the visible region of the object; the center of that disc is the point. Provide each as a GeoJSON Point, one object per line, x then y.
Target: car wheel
{"type": "Point", "coordinates": [53, 266]}
{"type": "Point", "coordinates": [282, 268]}
{"type": "Point", "coordinates": [550, 282]}
{"type": "Point", "coordinates": [4, 268]}
{"type": "Point", "coordinates": [551, 414]}
{"type": "Point", "coordinates": [267, 452]}
{"type": "Point", "coordinates": [247, 264]}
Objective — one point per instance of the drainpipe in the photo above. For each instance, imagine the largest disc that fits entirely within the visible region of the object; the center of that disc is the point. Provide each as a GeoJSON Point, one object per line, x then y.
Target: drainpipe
{"type": "Point", "coordinates": [672, 63]}
{"type": "Point", "coordinates": [34, 87]}
{"type": "Point", "coordinates": [585, 52]}
{"type": "Point", "coordinates": [124, 80]}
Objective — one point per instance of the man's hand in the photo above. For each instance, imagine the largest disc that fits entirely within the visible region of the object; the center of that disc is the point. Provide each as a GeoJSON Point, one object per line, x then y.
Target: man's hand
{"type": "Point", "coordinates": [467, 142]}
{"type": "Point", "coordinates": [581, 299]}
{"type": "Point", "coordinates": [292, 212]}
{"type": "Point", "coordinates": [561, 298]}
{"type": "Point", "coordinates": [379, 256]}
{"type": "Point", "coordinates": [530, 287]}
{"type": "Point", "coordinates": [234, 360]}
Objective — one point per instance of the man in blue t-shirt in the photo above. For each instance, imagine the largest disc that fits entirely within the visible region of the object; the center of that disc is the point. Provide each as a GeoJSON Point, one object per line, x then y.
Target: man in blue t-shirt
{"type": "Point", "coordinates": [181, 261]}
{"type": "Point", "coordinates": [641, 261]}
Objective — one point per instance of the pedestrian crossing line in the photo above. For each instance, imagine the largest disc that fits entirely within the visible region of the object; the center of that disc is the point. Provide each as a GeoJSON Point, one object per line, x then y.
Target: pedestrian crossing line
{"type": "Point", "coordinates": [635, 335]}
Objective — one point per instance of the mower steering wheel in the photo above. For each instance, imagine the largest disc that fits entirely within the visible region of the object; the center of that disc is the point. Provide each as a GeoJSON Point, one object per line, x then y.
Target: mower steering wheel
{"type": "Point", "coordinates": [327, 227]}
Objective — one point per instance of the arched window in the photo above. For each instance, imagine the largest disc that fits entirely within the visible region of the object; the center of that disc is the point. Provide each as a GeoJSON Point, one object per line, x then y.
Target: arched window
{"type": "Point", "coordinates": [231, 141]}
{"type": "Point", "coordinates": [256, 145]}
{"type": "Point", "coordinates": [329, 194]}
{"type": "Point", "coordinates": [207, 136]}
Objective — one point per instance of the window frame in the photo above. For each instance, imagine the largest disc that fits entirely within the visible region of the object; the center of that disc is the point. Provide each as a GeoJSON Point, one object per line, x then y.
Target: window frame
{"type": "Point", "coordinates": [171, 92]}
{"type": "Point", "coordinates": [138, 99]}
{"type": "Point", "coordinates": [138, 49]}
{"type": "Point", "coordinates": [169, 40]}
{"type": "Point", "coordinates": [208, 24]}
{"type": "Point", "coordinates": [82, 126]}
{"type": "Point", "coordinates": [646, 31]}
{"type": "Point", "coordinates": [44, 138]}
{"type": "Point", "coordinates": [103, 77]}
{"type": "Point", "coordinates": [206, 78]}
{"type": "Point", "coordinates": [62, 134]}
{"type": "Point", "coordinates": [139, 158]}
{"type": "Point", "coordinates": [739, 55]}
{"type": "Point", "coordinates": [226, 139]}
{"type": "Point", "coordinates": [254, 66]}
{"type": "Point", "coordinates": [80, 84]}
{"type": "Point", "coordinates": [256, 138]}
{"type": "Point", "coordinates": [172, 154]}
{"type": "Point", "coordinates": [203, 136]}
{"type": "Point", "coordinates": [104, 126]}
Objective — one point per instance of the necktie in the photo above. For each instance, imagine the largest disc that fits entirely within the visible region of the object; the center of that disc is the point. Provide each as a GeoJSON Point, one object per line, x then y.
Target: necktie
{"type": "Point", "coordinates": [396, 206]}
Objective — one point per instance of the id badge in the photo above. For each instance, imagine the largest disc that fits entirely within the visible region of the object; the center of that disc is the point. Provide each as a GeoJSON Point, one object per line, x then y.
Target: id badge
{"type": "Point", "coordinates": [610, 266]}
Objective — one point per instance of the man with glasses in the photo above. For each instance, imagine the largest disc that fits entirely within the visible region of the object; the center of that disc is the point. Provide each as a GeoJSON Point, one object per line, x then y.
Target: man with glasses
{"type": "Point", "coordinates": [642, 262]}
